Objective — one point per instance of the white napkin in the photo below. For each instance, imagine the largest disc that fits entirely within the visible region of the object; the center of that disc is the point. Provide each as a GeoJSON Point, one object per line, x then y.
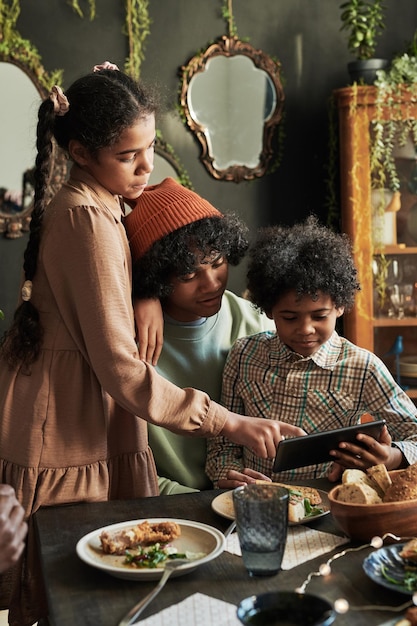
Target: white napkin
{"type": "Point", "coordinates": [303, 544]}
{"type": "Point", "coordinates": [196, 610]}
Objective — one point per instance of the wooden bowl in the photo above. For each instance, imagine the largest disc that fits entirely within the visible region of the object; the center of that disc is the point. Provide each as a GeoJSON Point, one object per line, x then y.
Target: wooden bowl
{"type": "Point", "coordinates": [364, 521]}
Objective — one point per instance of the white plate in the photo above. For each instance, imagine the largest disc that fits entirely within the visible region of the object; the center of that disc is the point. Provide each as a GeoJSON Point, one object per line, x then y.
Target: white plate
{"type": "Point", "coordinates": [195, 537]}
{"type": "Point", "coordinates": [223, 505]}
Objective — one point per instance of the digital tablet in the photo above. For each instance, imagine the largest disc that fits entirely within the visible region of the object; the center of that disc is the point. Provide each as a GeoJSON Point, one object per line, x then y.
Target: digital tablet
{"type": "Point", "coordinates": [315, 448]}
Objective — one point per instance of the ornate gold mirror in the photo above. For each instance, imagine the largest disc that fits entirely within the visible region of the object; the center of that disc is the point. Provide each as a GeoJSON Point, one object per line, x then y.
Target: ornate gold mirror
{"type": "Point", "coordinates": [21, 97]}
{"type": "Point", "coordinates": [22, 94]}
{"type": "Point", "coordinates": [167, 163]}
{"type": "Point", "coordinates": [233, 99]}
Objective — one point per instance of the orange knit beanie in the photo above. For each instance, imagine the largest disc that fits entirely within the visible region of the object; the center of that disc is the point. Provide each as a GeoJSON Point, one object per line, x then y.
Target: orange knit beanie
{"type": "Point", "coordinates": [161, 209]}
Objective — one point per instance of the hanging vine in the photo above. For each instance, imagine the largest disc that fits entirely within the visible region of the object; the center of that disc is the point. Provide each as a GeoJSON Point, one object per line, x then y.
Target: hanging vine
{"type": "Point", "coordinates": [14, 47]}
{"type": "Point", "coordinates": [137, 28]}
{"type": "Point", "coordinates": [76, 7]}
{"type": "Point", "coordinates": [227, 14]}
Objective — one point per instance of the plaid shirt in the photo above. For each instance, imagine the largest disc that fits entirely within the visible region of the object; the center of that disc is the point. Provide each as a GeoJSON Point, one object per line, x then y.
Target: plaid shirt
{"type": "Point", "coordinates": [330, 389]}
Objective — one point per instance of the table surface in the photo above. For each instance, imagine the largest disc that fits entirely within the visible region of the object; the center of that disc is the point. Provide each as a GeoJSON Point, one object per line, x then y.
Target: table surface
{"type": "Point", "coordinates": [86, 596]}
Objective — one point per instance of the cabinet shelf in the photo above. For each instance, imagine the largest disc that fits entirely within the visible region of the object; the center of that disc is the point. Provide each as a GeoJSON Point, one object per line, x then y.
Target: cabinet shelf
{"type": "Point", "coordinates": [400, 249]}
{"type": "Point", "coordinates": [389, 322]}
{"type": "Point", "coordinates": [356, 112]}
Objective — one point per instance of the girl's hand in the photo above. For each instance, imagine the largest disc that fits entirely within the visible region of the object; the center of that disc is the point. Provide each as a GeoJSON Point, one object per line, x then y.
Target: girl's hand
{"type": "Point", "coordinates": [370, 452]}
{"type": "Point", "coordinates": [13, 528]}
{"type": "Point", "coordinates": [150, 329]}
{"type": "Point", "coordinates": [260, 435]}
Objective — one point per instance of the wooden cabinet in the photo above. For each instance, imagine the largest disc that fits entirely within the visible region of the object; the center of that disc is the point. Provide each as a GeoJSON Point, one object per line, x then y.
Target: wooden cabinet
{"type": "Point", "coordinates": [376, 324]}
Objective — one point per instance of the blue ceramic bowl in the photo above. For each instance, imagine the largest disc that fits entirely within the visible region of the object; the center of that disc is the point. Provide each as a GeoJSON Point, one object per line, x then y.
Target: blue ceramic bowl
{"type": "Point", "coordinates": [285, 608]}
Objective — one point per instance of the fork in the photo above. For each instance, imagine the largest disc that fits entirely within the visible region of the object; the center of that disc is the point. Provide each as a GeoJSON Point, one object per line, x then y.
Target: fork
{"type": "Point", "coordinates": [131, 617]}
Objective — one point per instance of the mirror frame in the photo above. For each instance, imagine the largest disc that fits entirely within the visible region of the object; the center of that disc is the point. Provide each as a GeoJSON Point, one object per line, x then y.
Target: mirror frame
{"type": "Point", "coordinates": [15, 225]}
{"type": "Point", "coordinates": [229, 47]}
{"type": "Point", "coordinates": [166, 151]}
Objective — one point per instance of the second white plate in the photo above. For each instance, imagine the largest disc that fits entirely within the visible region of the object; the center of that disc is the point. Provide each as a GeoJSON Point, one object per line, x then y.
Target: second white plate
{"type": "Point", "coordinates": [223, 505]}
{"type": "Point", "coordinates": [195, 538]}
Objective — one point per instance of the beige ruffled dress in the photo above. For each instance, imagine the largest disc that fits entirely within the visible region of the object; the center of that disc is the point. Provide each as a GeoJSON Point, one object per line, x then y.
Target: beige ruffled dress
{"type": "Point", "coordinates": [68, 431]}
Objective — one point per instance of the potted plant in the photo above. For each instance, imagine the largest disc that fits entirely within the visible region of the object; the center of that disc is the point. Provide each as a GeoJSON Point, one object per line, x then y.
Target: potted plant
{"type": "Point", "coordinates": [392, 133]}
{"type": "Point", "coordinates": [364, 19]}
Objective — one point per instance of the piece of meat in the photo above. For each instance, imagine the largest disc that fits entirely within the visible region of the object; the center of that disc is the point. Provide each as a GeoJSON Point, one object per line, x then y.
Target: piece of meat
{"type": "Point", "coordinates": [142, 534]}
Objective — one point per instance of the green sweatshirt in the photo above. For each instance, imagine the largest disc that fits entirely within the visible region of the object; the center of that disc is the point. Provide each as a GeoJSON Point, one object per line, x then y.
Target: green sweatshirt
{"type": "Point", "coordinates": [194, 356]}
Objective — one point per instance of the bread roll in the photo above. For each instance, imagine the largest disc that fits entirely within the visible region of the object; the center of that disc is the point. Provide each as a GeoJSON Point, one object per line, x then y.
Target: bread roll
{"type": "Point", "coordinates": [403, 486]}
{"type": "Point", "coordinates": [380, 477]}
{"type": "Point", "coordinates": [358, 493]}
{"type": "Point", "coordinates": [356, 476]}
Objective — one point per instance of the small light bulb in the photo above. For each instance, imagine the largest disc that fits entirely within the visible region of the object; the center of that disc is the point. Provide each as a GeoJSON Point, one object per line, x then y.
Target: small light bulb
{"type": "Point", "coordinates": [376, 542]}
{"type": "Point", "coordinates": [325, 569]}
{"type": "Point", "coordinates": [414, 599]}
{"type": "Point", "coordinates": [341, 606]}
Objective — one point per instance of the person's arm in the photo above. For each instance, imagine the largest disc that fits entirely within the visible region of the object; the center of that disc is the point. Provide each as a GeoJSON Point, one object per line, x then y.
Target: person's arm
{"type": "Point", "coordinates": [383, 398]}
{"type": "Point", "coordinates": [92, 288]}
{"type": "Point", "coordinates": [13, 528]}
{"type": "Point", "coordinates": [225, 465]}
{"type": "Point", "coordinates": [150, 329]}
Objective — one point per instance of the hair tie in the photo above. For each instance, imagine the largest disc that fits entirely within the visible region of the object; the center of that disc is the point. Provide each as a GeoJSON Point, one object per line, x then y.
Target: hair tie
{"type": "Point", "coordinates": [27, 290]}
{"type": "Point", "coordinates": [105, 66]}
{"type": "Point", "coordinates": [60, 100]}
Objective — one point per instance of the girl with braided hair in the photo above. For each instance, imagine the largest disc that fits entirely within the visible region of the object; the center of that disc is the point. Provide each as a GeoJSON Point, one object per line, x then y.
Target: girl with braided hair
{"type": "Point", "coordinates": [75, 396]}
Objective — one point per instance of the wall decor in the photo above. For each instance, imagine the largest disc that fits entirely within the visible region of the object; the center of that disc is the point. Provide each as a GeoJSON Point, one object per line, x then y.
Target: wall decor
{"type": "Point", "coordinates": [167, 163]}
{"type": "Point", "coordinates": [28, 83]}
{"type": "Point", "coordinates": [232, 99]}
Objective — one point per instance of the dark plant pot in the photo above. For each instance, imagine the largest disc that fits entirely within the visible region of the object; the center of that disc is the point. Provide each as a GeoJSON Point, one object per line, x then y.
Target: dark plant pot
{"type": "Point", "coordinates": [364, 70]}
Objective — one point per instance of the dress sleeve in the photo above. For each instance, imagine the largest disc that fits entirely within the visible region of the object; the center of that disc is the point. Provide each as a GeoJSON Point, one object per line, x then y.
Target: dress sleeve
{"type": "Point", "coordinates": [89, 271]}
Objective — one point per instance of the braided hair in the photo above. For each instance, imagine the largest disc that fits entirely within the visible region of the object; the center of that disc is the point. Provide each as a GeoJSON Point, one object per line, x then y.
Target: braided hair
{"type": "Point", "coordinates": [101, 106]}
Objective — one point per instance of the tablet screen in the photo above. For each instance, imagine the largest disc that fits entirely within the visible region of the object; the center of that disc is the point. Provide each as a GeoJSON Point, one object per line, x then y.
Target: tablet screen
{"type": "Point", "coordinates": [312, 449]}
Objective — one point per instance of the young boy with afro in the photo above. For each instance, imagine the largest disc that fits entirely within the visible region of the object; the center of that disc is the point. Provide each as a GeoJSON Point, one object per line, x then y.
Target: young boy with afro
{"type": "Point", "coordinates": [306, 374]}
{"type": "Point", "coordinates": [181, 248]}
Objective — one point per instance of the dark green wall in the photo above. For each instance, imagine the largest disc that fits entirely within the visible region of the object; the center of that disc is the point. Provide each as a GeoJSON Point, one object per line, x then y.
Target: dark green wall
{"type": "Point", "coordinates": [181, 28]}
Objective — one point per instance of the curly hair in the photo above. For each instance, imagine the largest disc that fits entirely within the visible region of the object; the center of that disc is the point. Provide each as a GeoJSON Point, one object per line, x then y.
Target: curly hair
{"type": "Point", "coordinates": [180, 252]}
{"type": "Point", "coordinates": [308, 258]}
{"type": "Point", "coordinates": [102, 106]}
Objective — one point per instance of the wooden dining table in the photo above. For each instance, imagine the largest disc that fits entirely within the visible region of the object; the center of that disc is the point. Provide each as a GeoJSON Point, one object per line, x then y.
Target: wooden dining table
{"type": "Point", "coordinates": [86, 596]}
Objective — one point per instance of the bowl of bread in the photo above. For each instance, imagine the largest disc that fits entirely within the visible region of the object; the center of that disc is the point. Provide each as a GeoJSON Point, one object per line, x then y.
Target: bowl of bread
{"type": "Point", "coordinates": [376, 502]}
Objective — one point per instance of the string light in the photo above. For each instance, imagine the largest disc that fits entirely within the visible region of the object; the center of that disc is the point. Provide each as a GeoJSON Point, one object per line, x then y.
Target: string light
{"type": "Point", "coordinates": [341, 605]}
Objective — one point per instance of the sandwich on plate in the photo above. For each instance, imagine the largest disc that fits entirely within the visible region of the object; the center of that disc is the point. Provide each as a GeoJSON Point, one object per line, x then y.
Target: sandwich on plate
{"type": "Point", "coordinates": [303, 501]}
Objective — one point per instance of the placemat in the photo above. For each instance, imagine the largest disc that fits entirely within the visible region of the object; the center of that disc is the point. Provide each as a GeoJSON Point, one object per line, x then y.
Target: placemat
{"type": "Point", "coordinates": [303, 544]}
{"type": "Point", "coordinates": [196, 610]}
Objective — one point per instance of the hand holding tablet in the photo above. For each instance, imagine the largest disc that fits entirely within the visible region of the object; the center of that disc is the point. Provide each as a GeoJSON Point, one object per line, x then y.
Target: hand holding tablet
{"type": "Point", "coordinates": [315, 448]}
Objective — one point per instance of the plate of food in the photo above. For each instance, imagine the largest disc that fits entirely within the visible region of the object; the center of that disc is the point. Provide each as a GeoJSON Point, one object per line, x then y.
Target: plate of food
{"type": "Point", "coordinates": [138, 549]}
{"type": "Point", "coordinates": [305, 504]}
{"type": "Point", "coordinates": [394, 567]}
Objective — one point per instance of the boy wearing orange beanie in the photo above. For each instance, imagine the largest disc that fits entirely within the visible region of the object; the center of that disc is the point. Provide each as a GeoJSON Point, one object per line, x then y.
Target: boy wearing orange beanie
{"type": "Point", "coordinates": [181, 248]}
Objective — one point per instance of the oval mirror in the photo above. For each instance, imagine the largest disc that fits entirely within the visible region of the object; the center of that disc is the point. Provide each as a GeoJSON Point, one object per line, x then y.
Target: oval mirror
{"type": "Point", "coordinates": [233, 99]}
{"type": "Point", "coordinates": [19, 103]}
